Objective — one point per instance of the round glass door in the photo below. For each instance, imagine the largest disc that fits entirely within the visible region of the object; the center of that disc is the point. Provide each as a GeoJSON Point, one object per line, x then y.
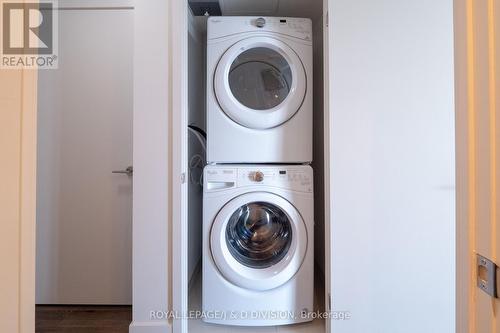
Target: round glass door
{"type": "Point", "coordinates": [258, 241]}
{"type": "Point", "coordinates": [260, 82]}
{"type": "Point", "coordinates": [260, 78]}
{"type": "Point", "coordinates": [259, 234]}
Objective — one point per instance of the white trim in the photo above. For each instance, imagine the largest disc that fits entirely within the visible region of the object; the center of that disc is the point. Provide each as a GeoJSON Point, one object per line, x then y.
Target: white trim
{"type": "Point", "coordinates": [149, 327]}
{"type": "Point", "coordinates": [18, 125]}
{"type": "Point", "coordinates": [152, 236]}
{"type": "Point", "coordinates": [95, 4]}
{"type": "Point", "coordinates": [327, 160]}
{"type": "Point", "coordinates": [27, 216]}
{"type": "Point", "coordinates": [179, 29]}
{"type": "Point", "coordinates": [463, 255]}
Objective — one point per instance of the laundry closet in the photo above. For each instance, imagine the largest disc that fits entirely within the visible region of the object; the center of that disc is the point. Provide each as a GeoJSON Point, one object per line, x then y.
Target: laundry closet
{"type": "Point", "coordinates": [284, 54]}
{"type": "Point", "coordinates": [382, 171]}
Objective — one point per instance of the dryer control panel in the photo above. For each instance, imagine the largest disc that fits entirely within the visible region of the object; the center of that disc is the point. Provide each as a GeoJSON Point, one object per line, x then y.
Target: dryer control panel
{"type": "Point", "coordinates": [295, 178]}
{"type": "Point", "coordinates": [223, 26]}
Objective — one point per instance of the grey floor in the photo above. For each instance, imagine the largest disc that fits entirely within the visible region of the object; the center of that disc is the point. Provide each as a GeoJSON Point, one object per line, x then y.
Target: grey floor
{"type": "Point", "coordinates": [198, 326]}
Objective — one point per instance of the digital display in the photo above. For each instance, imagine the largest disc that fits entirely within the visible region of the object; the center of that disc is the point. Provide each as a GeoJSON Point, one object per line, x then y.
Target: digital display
{"type": "Point", "coordinates": [282, 172]}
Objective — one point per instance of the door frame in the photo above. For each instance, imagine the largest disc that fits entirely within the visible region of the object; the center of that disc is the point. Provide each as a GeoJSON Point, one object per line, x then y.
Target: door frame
{"type": "Point", "coordinates": [178, 115]}
{"type": "Point", "coordinates": [23, 168]}
{"type": "Point", "coordinates": [472, 157]}
{"type": "Point", "coordinates": [327, 142]}
{"type": "Point", "coordinates": [18, 199]}
{"type": "Point", "coordinates": [179, 81]}
{"type": "Point", "coordinates": [18, 194]}
{"type": "Point", "coordinates": [463, 99]}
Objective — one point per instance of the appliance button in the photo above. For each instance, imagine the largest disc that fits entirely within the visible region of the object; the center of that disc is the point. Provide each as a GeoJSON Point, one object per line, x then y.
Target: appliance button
{"type": "Point", "coordinates": [258, 176]}
{"type": "Point", "coordinates": [260, 22]}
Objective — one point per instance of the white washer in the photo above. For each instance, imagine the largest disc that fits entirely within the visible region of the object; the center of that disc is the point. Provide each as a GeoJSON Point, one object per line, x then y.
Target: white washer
{"type": "Point", "coordinates": [257, 244]}
{"type": "Point", "coordinates": [259, 90]}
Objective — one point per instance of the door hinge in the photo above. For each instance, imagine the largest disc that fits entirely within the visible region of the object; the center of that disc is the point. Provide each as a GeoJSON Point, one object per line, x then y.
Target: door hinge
{"type": "Point", "coordinates": [326, 19]}
{"type": "Point", "coordinates": [329, 302]}
{"type": "Point", "coordinates": [487, 275]}
{"type": "Point", "coordinates": [183, 178]}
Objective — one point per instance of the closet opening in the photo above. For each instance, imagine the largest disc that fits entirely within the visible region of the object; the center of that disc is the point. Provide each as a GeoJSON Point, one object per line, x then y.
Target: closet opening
{"type": "Point", "coordinates": [197, 133]}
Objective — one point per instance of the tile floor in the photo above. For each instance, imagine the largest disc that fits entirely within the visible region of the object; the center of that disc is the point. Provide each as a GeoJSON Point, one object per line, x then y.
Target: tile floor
{"type": "Point", "coordinates": [198, 326]}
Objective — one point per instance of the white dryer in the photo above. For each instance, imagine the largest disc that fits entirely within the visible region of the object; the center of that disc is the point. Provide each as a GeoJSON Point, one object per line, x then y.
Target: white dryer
{"type": "Point", "coordinates": [259, 90]}
{"type": "Point", "coordinates": [257, 245]}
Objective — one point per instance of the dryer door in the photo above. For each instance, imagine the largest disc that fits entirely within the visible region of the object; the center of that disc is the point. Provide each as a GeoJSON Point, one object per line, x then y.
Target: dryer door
{"type": "Point", "coordinates": [260, 82]}
{"type": "Point", "coordinates": [258, 241]}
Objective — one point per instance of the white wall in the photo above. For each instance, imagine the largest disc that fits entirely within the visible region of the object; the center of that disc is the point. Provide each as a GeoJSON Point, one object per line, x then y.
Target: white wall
{"type": "Point", "coordinates": [392, 158]}
{"type": "Point", "coordinates": [151, 215]}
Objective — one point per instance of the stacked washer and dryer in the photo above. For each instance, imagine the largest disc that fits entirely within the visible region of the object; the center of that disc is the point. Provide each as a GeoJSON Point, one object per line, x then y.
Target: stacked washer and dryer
{"type": "Point", "coordinates": [258, 186]}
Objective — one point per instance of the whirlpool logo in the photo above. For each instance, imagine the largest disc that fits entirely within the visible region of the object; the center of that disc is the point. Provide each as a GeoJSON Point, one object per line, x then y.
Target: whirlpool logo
{"type": "Point", "coordinates": [29, 34]}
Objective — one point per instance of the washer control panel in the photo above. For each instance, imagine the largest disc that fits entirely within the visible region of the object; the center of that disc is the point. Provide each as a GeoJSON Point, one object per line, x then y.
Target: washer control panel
{"type": "Point", "coordinates": [297, 178]}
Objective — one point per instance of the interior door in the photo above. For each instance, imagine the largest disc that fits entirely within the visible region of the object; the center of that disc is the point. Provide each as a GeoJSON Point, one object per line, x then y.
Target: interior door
{"type": "Point", "coordinates": [84, 221]}
{"type": "Point", "coordinates": [391, 151]}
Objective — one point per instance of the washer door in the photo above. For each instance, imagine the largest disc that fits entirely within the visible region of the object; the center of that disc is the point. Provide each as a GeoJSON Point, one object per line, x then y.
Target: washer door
{"type": "Point", "coordinates": [258, 241]}
{"type": "Point", "coordinates": [260, 82]}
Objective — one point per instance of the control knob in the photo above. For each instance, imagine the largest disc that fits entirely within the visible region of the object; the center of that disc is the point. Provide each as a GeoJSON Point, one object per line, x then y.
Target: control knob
{"type": "Point", "coordinates": [258, 176]}
{"type": "Point", "coordinates": [260, 22]}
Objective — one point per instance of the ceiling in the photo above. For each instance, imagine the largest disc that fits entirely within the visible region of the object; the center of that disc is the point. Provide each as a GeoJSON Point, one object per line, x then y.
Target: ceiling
{"type": "Point", "coordinates": [291, 8]}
